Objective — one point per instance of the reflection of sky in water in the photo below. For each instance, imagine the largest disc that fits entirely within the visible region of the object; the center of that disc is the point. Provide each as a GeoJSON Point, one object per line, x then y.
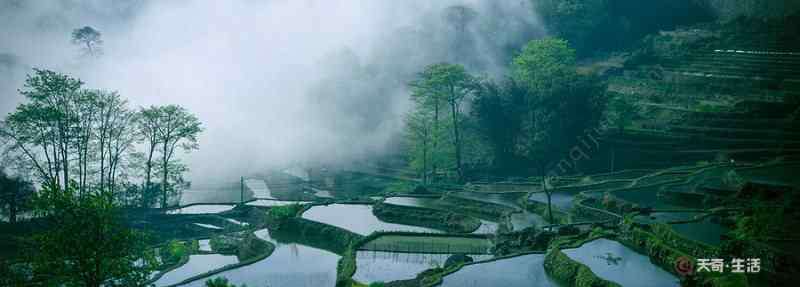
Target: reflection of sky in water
{"type": "Point", "coordinates": [562, 201]}
{"type": "Point", "coordinates": [412, 201]}
{"type": "Point", "coordinates": [291, 264]}
{"type": "Point", "coordinates": [520, 271]}
{"type": "Point", "coordinates": [374, 266]}
{"type": "Point", "coordinates": [487, 227]}
{"type": "Point", "coordinates": [270, 202]}
{"type": "Point", "coordinates": [357, 218]}
{"type": "Point", "coordinates": [202, 209]}
{"type": "Point", "coordinates": [613, 261]}
{"type": "Point", "coordinates": [259, 188]}
{"type": "Point", "coordinates": [197, 264]}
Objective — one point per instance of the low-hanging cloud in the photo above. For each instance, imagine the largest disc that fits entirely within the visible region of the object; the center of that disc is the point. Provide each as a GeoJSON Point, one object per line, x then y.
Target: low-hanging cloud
{"type": "Point", "coordinates": [274, 82]}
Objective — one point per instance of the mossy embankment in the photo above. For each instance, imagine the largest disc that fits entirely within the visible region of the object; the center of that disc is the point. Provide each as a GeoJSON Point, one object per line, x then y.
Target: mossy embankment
{"type": "Point", "coordinates": [477, 208]}
{"type": "Point", "coordinates": [431, 218]}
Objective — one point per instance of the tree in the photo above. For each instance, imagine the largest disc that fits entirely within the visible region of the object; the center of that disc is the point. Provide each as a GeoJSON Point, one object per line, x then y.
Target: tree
{"type": "Point", "coordinates": [44, 130]}
{"type": "Point", "coordinates": [498, 110]}
{"type": "Point", "coordinates": [542, 68]}
{"type": "Point", "coordinates": [220, 282]}
{"type": "Point", "coordinates": [87, 243]}
{"type": "Point", "coordinates": [89, 39]}
{"type": "Point", "coordinates": [450, 84]}
{"type": "Point", "coordinates": [556, 97]}
{"type": "Point", "coordinates": [176, 128]}
{"type": "Point", "coordinates": [574, 20]}
{"type": "Point", "coordinates": [15, 194]}
{"type": "Point", "coordinates": [148, 122]}
{"type": "Point", "coordinates": [420, 134]}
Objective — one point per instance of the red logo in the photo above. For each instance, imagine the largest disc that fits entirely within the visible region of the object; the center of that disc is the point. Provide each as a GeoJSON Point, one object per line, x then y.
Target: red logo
{"type": "Point", "coordinates": [684, 266]}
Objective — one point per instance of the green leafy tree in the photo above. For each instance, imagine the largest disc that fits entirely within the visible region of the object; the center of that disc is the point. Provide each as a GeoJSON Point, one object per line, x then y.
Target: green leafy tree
{"type": "Point", "coordinates": [220, 282]}
{"type": "Point", "coordinates": [148, 124]}
{"type": "Point", "coordinates": [89, 39]}
{"type": "Point", "coordinates": [445, 84]}
{"type": "Point", "coordinates": [86, 242]}
{"type": "Point", "coordinates": [543, 68]}
{"type": "Point", "coordinates": [176, 128]}
{"type": "Point", "coordinates": [498, 110]}
{"type": "Point", "coordinates": [44, 130]}
{"type": "Point", "coordinates": [556, 96]}
{"type": "Point", "coordinates": [574, 20]}
{"type": "Point", "coordinates": [15, 195]}
{"type": "Point", "coordinates": [421, 134]}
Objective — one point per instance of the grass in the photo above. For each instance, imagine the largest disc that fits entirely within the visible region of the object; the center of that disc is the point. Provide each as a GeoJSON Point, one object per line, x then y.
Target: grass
{"type": "Point", "coordinates": [428, 244]}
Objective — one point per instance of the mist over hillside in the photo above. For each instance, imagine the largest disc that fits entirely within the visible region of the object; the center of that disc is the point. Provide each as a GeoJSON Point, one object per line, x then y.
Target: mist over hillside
{"type": "Point", "coordinates": [275, 82]}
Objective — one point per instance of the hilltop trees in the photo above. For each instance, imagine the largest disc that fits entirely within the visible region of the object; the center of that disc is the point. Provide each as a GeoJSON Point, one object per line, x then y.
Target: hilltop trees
{"type": "Point", "coordinates": [67, 133]}
{"type": "Point", "coordinates": [526, 122]}
{"type": "Point", "coordinates": [89, 39]}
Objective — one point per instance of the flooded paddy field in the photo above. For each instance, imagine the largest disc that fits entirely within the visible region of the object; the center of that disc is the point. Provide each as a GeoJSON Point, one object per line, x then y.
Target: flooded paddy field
{"type": "Point", "coordinates": [357, 218]}
{"type": "Point", "coordinates": [615, 262]}
{"type": "Point", "coordinates": [520, 271]}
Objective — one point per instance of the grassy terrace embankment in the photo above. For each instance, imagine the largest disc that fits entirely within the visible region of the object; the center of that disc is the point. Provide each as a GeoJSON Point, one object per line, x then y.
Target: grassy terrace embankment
{"type": "Point", "coordinates": [432, 218]}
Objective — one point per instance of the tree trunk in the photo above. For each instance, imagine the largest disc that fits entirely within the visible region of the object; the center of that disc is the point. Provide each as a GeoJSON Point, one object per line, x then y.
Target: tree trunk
{"type": "Point", "coordinates": [164, 173]}
{"type": "Point", "coordinates": [148, 174]}
{"type": "Point", "coordinates": [435, 138]}
{"type": "Point", "coordinates": [456, 135]}
{"type": "Point", "coordinates": [12, 213]}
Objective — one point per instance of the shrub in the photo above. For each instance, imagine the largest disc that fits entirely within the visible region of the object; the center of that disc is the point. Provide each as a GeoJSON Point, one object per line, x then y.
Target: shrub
{"type": "Point", "coordinates": [220, 282]}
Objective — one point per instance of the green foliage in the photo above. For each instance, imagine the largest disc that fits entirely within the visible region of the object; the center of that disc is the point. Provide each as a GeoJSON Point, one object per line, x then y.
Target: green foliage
{"type": "Point", "coordinates": [89, 39]}
{"type": "Point", "coordinates": [284, 212]}
{"type": "Point", "coordinates": [559, 266]}
{"type": "Point", "coordinates": [87, 243]}
{"type": "Point", "coordinates": [220, 282]}
{"type": "Point", "coordinates": [438, 93]}
{"type": "Point", "coordinates": [65, 132]}
{"type": "Point", "coordinates": [574, 20]}
{"type": "Point", "coordinates": [543, 66]}
{"type": "Point", "coordinates": [174, 251]}
{"type": "Point", "coordinates": [451, 222]}
{"type": "Point", "coordinates": [597, 26]}
{"type": "Point", "coordinates": [15, 195]}
{"type": "Point", "coordinates": [623, 112]}
{"type": "Point", "coordinates": [377, 284]}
